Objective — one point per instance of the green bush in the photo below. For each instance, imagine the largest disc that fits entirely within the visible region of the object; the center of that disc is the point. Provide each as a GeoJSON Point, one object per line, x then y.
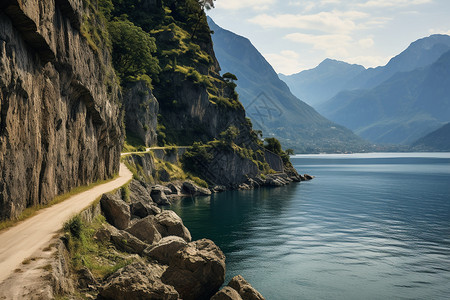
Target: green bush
{"type": "Point", "coordinates": [74, 226]}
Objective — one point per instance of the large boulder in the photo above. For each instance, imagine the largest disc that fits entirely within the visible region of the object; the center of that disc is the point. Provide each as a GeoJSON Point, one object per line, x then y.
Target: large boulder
{"type": "Point", "coordinates": [142, 209]}
{"type": "Point", "coordinates": [165, 249]}
{"type": "Point", "coordinates": [226, 293]}
{"type": "Point", "coordinates": [123, 240]}
{"type": "Point", "coordinates": [116, 211]}
{"type": "Point", "coordinates": [191, 188]}
{"type": "Point", "coordinates": [136, 281]}
{"type": "Point", "coordinates": [196, 271]}
{"type": "Point", "coordinates": [159, 195]}
{"type": "Point", "coordinates": [245, 290]}
{"type": "Point", "coordinates": [169, 223]}
{"type": "Point", "coordinates": [138, 193]}
{"type": "Point", "coordinates": [145, 230]}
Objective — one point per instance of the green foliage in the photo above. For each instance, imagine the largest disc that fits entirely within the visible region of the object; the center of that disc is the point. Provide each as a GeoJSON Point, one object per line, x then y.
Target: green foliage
{"type": "Point", "coordinates": [125, 192]}
{"type": "Point", "coordinates": [132, 50]}
{"type": "Point", "coordinates": [289, 151]}
{"type": "Point", "coordinates": [85, 251]}
{"type": "Point", "coordinates": [230, 134]}
{"type": "Point", "coordinates": [74, 226]}
{"type": "Point", "coordinates": [133, 143]}
{"type": "Point", "coordinates": [197, 156]}
{"type": "Point", "coordinates": [229, 77]}
{"type": "Point", "coordinates": [273, 145]}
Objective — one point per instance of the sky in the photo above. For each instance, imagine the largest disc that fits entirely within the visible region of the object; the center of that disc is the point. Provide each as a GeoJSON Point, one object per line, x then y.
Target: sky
{"type": "Point", "coordinates": [298, 35]}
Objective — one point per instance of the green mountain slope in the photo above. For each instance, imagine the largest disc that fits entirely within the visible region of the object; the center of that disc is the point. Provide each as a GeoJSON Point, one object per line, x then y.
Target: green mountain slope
{"type": "Point", "coordinates": [270, 104]}
{"type": "Point", "coordinates": [438, 140]}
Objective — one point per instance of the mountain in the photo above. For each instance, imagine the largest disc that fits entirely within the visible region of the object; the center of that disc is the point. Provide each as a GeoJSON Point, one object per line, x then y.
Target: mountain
{"type": "Point", "coordinates": [317, 85]}
{"type": "Point", "coordinates": [438, 140]}
{"type": "Point", "coordinates": [270, 104]}
{"type": "Point", "coordinates": [401, 109]}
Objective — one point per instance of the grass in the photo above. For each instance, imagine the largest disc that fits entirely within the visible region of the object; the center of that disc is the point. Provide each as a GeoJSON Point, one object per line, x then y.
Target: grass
{"type": "Point", "coordinates": [101, 258]}
{"type": "Point", "coordinates": [32, 211]}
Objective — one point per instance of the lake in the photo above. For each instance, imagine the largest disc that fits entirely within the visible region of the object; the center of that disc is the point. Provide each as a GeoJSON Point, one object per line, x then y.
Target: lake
{"type": "Point", "coordinates": [369, 226]}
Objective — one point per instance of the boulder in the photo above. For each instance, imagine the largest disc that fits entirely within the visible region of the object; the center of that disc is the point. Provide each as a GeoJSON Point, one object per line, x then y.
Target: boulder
{"type": "Point", "coordinates": [116, 211]}
{"type": "Point", "coordinates": [136, 281]}
{"type": "Point", "coordinates": [121, 239]}
{"type": "Point", "coordinates": [175, 189]}
{"type": "Point", "coordinates": [192, 189]}
{"type": "Point", "coordinates": [245, 290]}
{"type": "Point", "coordinates": [196, 271]}
{"type": "Point", "coordinates": [142, 209]}
{"type": "Point", "coordinates": [145, 230]}
{"type": "Point", "coordinates": [85, 279]}
{"type": "Point", "coordinates": [165, 249]}
{"type": "Point", "coordinates": [138, 193]}
{"type": "Point", "coordinates": [308, 177]}
{"type": "Point", "coordinates": [171, 224]}
{"type": "Point", "coordinates": [159, 196]}
{"type": "Point", "coordinates": [226, 293]}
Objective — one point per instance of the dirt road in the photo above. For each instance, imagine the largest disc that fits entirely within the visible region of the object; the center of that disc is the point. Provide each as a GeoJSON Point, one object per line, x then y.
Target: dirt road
{"type": "Point", "coordinates": [21, 241]}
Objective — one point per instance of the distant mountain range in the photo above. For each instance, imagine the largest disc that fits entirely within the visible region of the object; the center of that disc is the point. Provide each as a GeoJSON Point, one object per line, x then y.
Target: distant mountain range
{"type": "Point", "coordinates": [270, 104]}
{"type": "Point", "coordinates": [438, 140]}
{"type": "Point", "coordinates": [318, 85]}
{"type": "Point", "coordinates": [394, 104]}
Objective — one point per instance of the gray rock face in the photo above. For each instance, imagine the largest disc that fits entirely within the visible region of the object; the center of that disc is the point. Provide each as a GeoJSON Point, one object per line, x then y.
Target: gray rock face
{"type": "Point", "coordinates": [141, 111]}
{"type": "Point", "coordinates": [191, 188]}
{"type": "Point", "coordinates": [196, 271]}
{"type": "Point", "coordinates": [226, 293]}
{"type": "Point", "coordinates": [123, 240]}
{"type": "Point", "coordinates": [165, 249]}
{"type": "Point", "coordinates": [116, 211]}
{"type": "Point", "coordinates": [138, 193]}
{"type": "Point", "coordinates": [143, 210]}
{"type": "Point", "coordinates": [145, 230]}
{"type": "Point", "coordinates": [169, 223]}
{"type": "Point", "coordinates": [245, 290]}
{"type": "Point", "coordinates": [60, 121]}
{"type": "Point", "coordinates": [136, 281]}
{"type": "Point", "coordinates": [158, 195]}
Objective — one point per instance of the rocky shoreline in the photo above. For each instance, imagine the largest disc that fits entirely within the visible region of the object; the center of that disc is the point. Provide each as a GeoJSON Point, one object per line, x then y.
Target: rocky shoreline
{"type": "Point", "coordinates": [164, 261]}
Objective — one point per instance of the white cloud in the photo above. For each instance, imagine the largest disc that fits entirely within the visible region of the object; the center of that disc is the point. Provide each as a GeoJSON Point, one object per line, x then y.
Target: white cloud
{"type": "Point", "coordinates": [366, 43]}
{"type": "Point", "coordinates": [286, 62]}
{"type": "Point", "coordinates": [257, 5]}
{"type": "Point", "coordinates": [334, 21]}
{"type": "Point", "coordinates": [393, 3]}
{"type": "Point", "coordinates": [368, 61]}
{"type": "Point", "coordinates": [439, 31]}
{"type": "Point", "coordinates": [334, 45]}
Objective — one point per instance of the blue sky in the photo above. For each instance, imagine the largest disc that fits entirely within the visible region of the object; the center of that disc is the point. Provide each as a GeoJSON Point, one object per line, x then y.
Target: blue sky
{"type": "Point", "coordinates": [298, 35]}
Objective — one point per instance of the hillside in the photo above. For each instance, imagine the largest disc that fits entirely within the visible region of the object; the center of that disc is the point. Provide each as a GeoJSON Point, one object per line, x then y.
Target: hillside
{"type": "Point", "coordinates": [270, 104]}
{"type": "Point", "coordinates": [317, 85]}
{"type": "Point", "coordinates": [438, 140]}
{"type": "Point", "coordinates": [401, 109]}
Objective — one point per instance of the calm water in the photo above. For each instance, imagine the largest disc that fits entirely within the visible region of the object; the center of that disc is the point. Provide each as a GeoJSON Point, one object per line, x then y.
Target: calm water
{"type": "Point", "coordinates": [367, 227]}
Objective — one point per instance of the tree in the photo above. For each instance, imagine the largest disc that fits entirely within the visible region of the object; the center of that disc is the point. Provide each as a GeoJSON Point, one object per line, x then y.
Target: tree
{"type": "Point", "coordinates": [289, 151]}
{"type": "Point", "coordinates": [132, 50]}
{"type": "Point", "coordinates": [273, 145]}
{"type": "Point", "coordinates": [229, 77]}
{"type": "Point", "coordinates": [204, 5]}
{"type": "Point", "coordinates": [230, 134]}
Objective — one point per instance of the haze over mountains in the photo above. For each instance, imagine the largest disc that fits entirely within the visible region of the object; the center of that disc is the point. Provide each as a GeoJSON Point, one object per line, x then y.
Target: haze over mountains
{"type": "Point", "coordinates": [270, 104]}
{"type": "Point", "coordinates": [394, 104]}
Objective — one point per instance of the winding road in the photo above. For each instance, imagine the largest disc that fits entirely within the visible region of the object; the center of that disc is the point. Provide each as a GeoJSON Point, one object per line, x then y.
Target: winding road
{"type": "Point", "coordinates": [21, 241]}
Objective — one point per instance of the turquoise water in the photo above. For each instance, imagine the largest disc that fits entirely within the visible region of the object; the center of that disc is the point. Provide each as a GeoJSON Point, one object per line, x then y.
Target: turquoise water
{"type": "Point", "coordinates": [371, 226]}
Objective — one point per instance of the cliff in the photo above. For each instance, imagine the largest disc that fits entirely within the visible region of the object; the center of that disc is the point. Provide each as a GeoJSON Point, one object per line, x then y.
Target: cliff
{"type": "Point", "coordinates": [60, 122]}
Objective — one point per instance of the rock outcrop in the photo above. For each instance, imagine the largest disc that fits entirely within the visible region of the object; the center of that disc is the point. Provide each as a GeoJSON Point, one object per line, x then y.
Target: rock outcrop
{"type": "Point", "coordinates": [60, 124]}
{"type": "Point", "coordinates": [116, 211]}
{"type": "Point", "coordinates": [238, 288]}
{"type": "Point", "coordinates": [136, 281]}
{"type": "Point", "coordinates": [141, 111]}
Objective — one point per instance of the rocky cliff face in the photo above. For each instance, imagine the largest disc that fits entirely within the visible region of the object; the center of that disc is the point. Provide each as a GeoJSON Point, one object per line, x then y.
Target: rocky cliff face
{"type": "Point", "coordinates": [60, 124]}
{"type": "Point", "coordinates": [141, 112]}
